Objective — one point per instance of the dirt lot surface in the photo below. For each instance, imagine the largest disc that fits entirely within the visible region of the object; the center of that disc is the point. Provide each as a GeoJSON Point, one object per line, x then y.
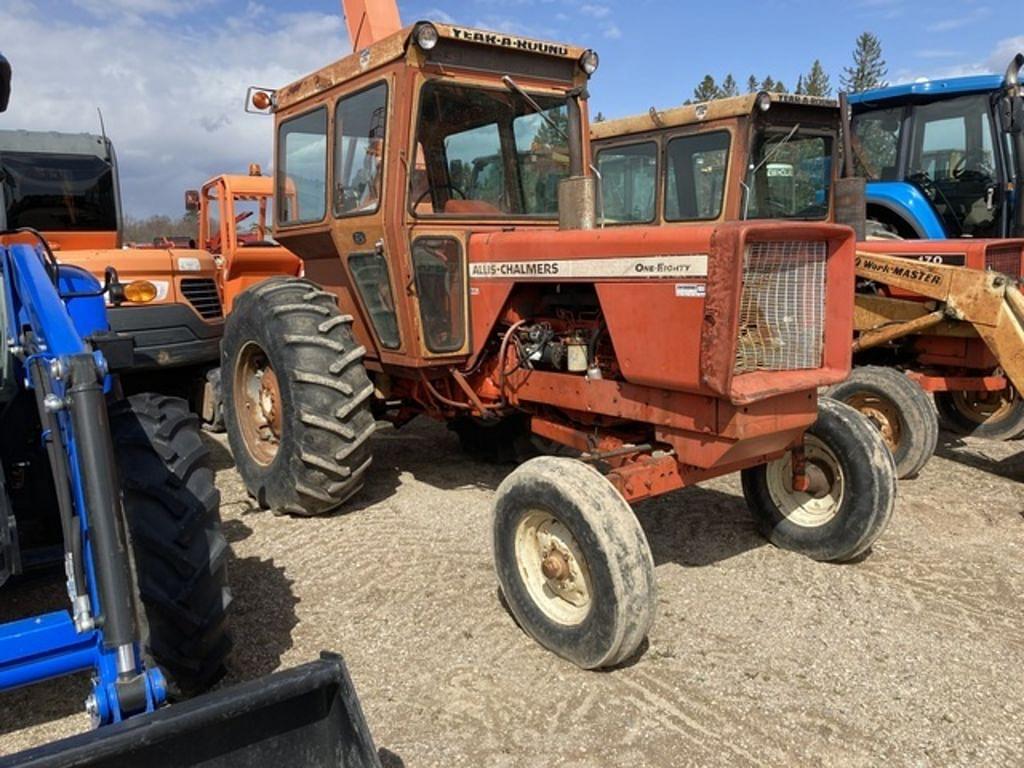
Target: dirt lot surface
{"type": "Point", "coordinates": [912, 657]}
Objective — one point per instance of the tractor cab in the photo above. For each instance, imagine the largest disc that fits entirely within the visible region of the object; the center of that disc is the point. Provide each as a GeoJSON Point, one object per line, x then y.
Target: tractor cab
{"type": "Point", "coordinates": [944, 158]}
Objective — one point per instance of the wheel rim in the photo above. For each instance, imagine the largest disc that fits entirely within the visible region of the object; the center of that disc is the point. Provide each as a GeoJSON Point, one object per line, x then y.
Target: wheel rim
{"type": "Point", "coordinates": [822, 502]}
{"type": "Point", "coordinates": [882, 413]}
{"type": "Point", "coordinates": [552, 567]}
{"type": "Point", "coordinates": [984, 407]}
{"type": "Point", "coordinates": [258, 404]}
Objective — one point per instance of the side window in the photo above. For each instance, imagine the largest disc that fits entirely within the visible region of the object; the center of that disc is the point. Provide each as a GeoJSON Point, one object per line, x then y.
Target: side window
{"type": "Point", "coordinates": [302, 168]}
{"type": "Point", "coordinates": [628, 182]}
{"type": "Point", "coordinates": [696, 168]}
{"type": "Point", "coordinates": [439, 285]}
{"type": "Point", "coordinates": [370, 272]}
{"type": "Point", "coordinates": [875, 139]}
{"type": "Point", "coordinates": [359, 122]}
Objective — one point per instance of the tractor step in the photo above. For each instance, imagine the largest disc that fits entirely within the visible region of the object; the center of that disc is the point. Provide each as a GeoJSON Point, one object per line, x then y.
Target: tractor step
{"type": "Point", "coordinates": [308, 716]}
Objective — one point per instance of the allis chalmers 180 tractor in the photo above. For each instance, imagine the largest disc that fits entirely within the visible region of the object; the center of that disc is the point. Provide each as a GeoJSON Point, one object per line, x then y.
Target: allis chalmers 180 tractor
{"type": "Point", "coordinates": [436, 185]}
{"type": "Point", "coordinates": [949, 322]}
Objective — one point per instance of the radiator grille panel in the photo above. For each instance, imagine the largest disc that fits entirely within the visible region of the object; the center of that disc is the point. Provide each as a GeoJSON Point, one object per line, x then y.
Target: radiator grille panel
{"type": "Point", "coordinates": [203, 296]}
{"type": "Point", "coordinates": [782, 307]}
{"type": "Point", "coordinates": [1005, 259]}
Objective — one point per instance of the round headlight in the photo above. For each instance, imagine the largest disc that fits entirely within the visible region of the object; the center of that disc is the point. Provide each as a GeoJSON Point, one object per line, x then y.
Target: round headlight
{"type": "Point", "coordinates": [764, 101]}
{"type": "Point", "coordinates": [589, 61]}
{"type": "Point", "coordinates": [426, 36]}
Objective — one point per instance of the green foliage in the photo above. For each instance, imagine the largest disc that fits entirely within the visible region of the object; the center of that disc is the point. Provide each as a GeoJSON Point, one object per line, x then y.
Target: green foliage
{"type": "Point", "coordinates": [599, 117]}
{"type": "Point", "coordinates": [868, 70]}
{"type": "Point", "coordinates": [752, 84]}
{"type": "Point", "coordinates": [707, 89]}
{"type": "Point", "coordinates": [729, 87]}
{"type": "Point", "coordinates": [816, 82]}
{"type": "Point", "coordinates": [144, 230]}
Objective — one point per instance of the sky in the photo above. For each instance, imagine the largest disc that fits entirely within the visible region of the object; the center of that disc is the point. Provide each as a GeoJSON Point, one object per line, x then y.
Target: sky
{"type": "Point", "coordinates": [170, 75]}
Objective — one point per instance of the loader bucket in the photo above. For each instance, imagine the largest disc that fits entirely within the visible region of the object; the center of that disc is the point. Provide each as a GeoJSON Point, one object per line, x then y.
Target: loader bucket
{"type": "Point", "coordinates": [306, 716]}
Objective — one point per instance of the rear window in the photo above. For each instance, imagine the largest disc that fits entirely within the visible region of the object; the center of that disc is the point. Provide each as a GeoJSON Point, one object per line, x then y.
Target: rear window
{"type": "Point", "coordinates": [58, 192]}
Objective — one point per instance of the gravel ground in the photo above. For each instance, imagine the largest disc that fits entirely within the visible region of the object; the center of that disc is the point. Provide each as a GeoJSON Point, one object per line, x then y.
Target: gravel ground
{"type": "Point", "coordinates": [911, 657]}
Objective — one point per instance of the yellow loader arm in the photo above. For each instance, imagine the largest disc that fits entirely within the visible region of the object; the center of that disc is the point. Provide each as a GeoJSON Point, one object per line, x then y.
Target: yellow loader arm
{"type": "Point", "coordinates": [989, 302]}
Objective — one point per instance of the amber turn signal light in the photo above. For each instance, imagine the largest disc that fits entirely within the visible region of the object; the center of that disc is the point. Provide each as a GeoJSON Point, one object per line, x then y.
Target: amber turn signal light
{"type": "Point", "coordinates": [139, 292]}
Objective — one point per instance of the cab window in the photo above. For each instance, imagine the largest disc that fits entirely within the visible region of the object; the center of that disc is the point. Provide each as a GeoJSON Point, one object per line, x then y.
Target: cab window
{"type": "Point", "coordinates": [302, 168]}
{"type": "Point", "coordinates": [875, 139]}
{"type": "Point", "coordinates": [791, 175]}
{"type": "Point", "coordinates": [628, 182]}
{"type": "Point", "coordinates": [359, 122]}
{"type": "Point", "coordinates": [695, 172]}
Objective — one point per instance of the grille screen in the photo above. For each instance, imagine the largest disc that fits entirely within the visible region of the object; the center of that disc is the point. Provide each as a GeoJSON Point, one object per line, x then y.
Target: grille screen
{"type": "Point", "coordinates": [1005, 259]}
{"type": "Point", "coordinates": [203, 296]}
{"type": "Point", "coordinates": [782, 307]}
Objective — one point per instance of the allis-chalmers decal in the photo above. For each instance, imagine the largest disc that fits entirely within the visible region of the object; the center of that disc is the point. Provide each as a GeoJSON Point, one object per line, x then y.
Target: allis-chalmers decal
{"type": "Point", "coordinates": [630, 268]}
{"type": "Point", "coordinates": [908, 272]}
{"type": "Point", "coordinates": [506, 41]}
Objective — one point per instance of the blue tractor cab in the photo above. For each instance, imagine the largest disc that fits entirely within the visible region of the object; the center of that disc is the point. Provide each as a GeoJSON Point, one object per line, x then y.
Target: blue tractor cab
{"type": "Point", "coordinates": [943, 158]}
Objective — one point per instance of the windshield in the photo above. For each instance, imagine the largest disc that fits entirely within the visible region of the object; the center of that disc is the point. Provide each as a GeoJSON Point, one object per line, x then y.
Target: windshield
{"type": "Point", "coordinates": [488, 153]}
{"type": "Point", "coordinates": [58, 193]}
{"type": "Point", "coordinates": [790, 175]}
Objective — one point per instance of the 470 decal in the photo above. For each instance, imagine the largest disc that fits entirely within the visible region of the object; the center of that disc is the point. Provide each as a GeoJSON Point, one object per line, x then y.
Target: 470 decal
{"type": "Point", "coordinates": [625, 268]}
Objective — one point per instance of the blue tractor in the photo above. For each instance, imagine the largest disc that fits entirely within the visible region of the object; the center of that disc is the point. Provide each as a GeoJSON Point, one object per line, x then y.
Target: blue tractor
{"type": "Point", "coordinates": [943, 158]}
{"type": "Point", "coordinates": [118, 492]}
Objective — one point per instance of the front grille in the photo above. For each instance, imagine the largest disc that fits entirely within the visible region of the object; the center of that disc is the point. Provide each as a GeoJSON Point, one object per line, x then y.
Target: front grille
{"type": "Point", "coordinates": [1005, 259]}
{"type": "Point", "coordinates": [203, 296]}
{"type": "Point", "coordinates": [782, 307]}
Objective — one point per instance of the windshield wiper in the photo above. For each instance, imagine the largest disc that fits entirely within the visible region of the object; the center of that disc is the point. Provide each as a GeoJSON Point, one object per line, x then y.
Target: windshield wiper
{"type": "Point", "coordinates": [513, 86]}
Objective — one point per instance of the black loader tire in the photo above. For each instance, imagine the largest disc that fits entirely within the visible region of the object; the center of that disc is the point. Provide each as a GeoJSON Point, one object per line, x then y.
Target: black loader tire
{"type": "Point", "coordinates": [899, 408]}
{"type": "Point", "coordinates": [326, 420]}
{"type": "Point", "coordinates": [1008, 425]}
{"type": "Point", "coordinates": [608, 539]}
{"type": "Point", "coordinates": [179, 552]}
{"type": "Point", "coordinates": [866, 496]}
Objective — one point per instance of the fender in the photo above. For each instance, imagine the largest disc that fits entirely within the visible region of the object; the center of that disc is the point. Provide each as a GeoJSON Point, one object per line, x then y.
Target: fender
{"type": "Point", "coordinates": [910, 204]}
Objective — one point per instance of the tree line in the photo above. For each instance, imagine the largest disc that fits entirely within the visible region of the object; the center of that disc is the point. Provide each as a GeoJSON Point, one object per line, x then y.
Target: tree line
{"type": "Point", "coordinates": [867, 71]}
{"type": "Point", "coordinates": [144, 230]}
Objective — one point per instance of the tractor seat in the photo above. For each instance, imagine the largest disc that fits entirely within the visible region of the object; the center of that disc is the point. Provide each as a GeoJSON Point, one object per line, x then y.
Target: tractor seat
{"type": "Point", "coordinates": [470, 206]}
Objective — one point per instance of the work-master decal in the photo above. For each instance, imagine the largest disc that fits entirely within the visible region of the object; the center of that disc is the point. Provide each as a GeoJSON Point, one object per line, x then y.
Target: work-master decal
{"type": "Point", "coordinates": [628, 268]}
{"type": "Point", "coordinates": [507, 41]}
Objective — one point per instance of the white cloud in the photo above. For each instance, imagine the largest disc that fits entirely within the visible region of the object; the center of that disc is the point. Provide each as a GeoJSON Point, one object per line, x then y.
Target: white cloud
{"type": "Point", "coordinates": [172, 95]}
{"type": "Point", "coordinates": [595, 11]}
{"type": "Point", "coordinates": [612, 32]}
{"type": "Point", "coordinates": [956, 22]}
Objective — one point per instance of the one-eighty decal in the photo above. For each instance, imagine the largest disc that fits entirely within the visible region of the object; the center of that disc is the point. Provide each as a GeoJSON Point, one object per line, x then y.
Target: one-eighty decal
{"type": "Point", "coordinates": [629, 268]}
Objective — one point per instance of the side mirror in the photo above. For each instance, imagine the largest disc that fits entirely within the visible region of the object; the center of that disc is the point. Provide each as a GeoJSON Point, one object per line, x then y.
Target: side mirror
{"type": "Point", "coordinates": [1011, 113]}
{"type": "Point", "coordinates": [5, 82]}
{"type": "Point", "coordinates": [192, 200]}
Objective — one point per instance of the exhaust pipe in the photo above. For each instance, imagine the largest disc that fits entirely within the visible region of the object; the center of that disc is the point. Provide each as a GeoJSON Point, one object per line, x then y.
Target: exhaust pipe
{"type": "Point", "coordinates": [1011, 80]}
{"type": "Point", "coordinates": [577, 195]}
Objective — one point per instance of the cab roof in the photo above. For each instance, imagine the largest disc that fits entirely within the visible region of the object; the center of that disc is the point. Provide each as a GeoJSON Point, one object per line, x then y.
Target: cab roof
{"type": "Point", "coordinates": [54, 142]}
{"type": "Point", "coordinates": [926, 90]}
{"type": "Point", "coordinates": [691, 114]}
{"type": "Point", "coordinates": [395, 46]}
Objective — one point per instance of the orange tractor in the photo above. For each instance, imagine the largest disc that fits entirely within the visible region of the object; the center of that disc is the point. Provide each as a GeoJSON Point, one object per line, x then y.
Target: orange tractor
{"type": "Point", "coordinates": [949, 322]}
{"type": "Point", "coordinates": [437, 186]}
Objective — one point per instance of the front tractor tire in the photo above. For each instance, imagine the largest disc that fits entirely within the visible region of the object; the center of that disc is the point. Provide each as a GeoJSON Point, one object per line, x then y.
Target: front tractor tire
{"type": "Point", "coordinates": [900, 410]}
{"type": "Point", "coordinates": [178, 550]}
{"type": "Point", "coordinates": [296, 397]}
{"type": "Point", "coordinates": [852, 494]}
{"type": "Point", "coordinates": [991, 415]}
{"type": "Point", "coordinates": [572, 562]}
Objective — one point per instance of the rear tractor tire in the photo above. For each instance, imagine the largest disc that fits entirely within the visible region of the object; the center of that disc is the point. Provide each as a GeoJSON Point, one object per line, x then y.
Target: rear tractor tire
{"type": "Point", "coordinates": [991, 415]}
{"type": "Point", "coordinates": [852, 493]}
{"type": "Point", "coordinates": [899, 409]}
{"type": "Point", "coordinates": [296, 397]}
{"type": "Point", "coordinates": [573, 562]}
{"type": "Point", "coordinates": [179, 552]}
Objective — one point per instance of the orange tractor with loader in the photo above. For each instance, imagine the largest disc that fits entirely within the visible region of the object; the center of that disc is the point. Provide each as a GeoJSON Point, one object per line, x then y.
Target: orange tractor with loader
{"type": "Point", "coordinates": [931, 316]}
{"type": "Point", "coordinates": [437, 185]}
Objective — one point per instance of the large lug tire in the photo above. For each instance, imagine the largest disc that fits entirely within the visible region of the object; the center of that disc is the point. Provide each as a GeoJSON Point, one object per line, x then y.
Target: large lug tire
{"type": "Point", "coordinates": [179, 552]}
{"type": "Point", "coordinates": [573, 562]}
{"type": "Point", "coordinates": [991, 415]}
{"type": "Point", "coordinates": [853, 491]}
{"type": "Point", "coordinates": [296, 397]}
{"type": "Point", "coordinates": [900, 410]}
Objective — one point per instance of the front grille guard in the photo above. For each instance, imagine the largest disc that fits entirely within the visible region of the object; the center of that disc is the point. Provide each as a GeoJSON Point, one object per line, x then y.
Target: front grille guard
{"type": "Point", "coordinates": [778, 309]}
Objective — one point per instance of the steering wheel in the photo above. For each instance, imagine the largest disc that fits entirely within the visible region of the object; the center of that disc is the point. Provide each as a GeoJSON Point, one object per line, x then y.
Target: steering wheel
{"type": "Point", "coordinates": [431, 189]}
{"type": "Point", "coordinates": [924, 181]}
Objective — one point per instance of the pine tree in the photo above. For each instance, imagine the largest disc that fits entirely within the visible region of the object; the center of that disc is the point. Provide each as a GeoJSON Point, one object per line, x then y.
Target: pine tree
{"type": "Point", "coordinates": [779, 87]}
{"type": "Point", "coordinates": [817, 83]}
{"type": "Point", "coordinates": [752, 86]}
{"type": "Point", "coordinates": [599, 117]}
{"type": "Point", "coordinates": [800, 90]}
{"type": "Point", "coordinates": [767, 84]}
{"type": "Point", "coordinates": [729, 87]}
{"type": "Point", "coordinates": [868, 70]}
{"type": "Point", "coordinates": [707, 89]}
